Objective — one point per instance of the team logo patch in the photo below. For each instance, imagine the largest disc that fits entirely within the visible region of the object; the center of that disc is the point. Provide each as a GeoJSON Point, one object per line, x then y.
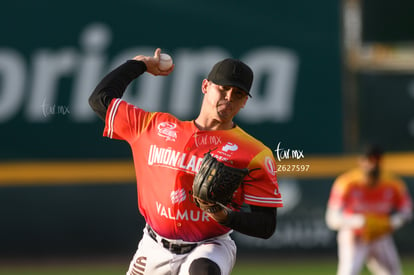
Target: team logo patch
{"type": "Point", "coordinates": [270, 166]}
{"type": "Point", "coordinates": [178, 196]}
{"type": "Point", "coordinates": [166, 130]}
{"type": "Point", "coordinates": [230, 147]}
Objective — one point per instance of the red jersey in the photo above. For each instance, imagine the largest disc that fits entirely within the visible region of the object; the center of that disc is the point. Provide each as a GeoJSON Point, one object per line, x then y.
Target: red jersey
{"type": "Point", "coordinates": [167, 154]}
{"type": "Point", "coordinates": [350, 193]}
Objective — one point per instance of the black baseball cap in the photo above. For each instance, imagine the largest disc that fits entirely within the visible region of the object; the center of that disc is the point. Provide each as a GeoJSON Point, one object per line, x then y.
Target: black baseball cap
{"type": "Point", "coordinates": [232, 72]}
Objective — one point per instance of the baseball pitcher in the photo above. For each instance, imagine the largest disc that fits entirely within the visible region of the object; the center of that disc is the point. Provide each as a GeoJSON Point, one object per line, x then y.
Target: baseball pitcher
{"type": "Point", "coordinates": [192, 176]}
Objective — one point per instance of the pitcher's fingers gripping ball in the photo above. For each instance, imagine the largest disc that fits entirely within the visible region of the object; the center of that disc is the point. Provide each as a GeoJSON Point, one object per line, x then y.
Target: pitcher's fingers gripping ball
{"type": "Point", "coordinates": [165, 62]}
{"type": "Point", "coordinates": [215, 184]}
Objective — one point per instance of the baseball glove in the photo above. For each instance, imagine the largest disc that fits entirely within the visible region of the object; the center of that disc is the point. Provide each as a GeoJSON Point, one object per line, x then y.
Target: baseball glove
{"type": "Point", "coordinates": [215, 183]}
{"type": "Point", "coordinates": [375, 227]}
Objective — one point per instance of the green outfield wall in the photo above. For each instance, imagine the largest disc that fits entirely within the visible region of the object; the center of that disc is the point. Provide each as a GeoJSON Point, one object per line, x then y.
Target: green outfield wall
{"type": "Point", "coordinates": [52, 54]}
{"type": "Point", "coordinates": [102, 220]}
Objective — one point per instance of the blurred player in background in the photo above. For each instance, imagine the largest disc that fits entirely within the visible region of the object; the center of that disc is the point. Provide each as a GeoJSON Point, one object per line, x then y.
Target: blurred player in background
{"type": "Point", "coordinates": [366, 206]}
{"type": "Point", "coordinates": [179, 237]}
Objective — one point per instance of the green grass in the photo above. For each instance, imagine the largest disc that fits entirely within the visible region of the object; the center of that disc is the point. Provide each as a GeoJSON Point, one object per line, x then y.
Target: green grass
{"type": "Point", "coordinates": [64, 270]}
{"type": "Point", "coordinates": [243, 267]}
{"type": "Point", "coordinates": [283, 268]}
{"type": "Point", "coordinates": [312, 266]}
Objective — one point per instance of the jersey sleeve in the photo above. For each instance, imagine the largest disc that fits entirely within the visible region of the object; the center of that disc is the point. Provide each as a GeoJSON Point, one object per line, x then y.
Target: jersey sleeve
{"type": "Point", "coordinates": [263, 189]}
{"type": "Point", "coordinates": [125, 121]}
{"type": "Point", "coordinates": [338, 192]}
{"type": "Point", "coordinates": [403, 200]}
{"type": "Point", "coordinates": [341, 188]}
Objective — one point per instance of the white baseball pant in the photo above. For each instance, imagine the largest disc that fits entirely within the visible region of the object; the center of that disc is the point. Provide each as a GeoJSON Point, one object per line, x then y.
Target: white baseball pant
{"type": "Point", "coordinates": [153, 258]}
{"type": "Point", "coordinates": [380, 255]}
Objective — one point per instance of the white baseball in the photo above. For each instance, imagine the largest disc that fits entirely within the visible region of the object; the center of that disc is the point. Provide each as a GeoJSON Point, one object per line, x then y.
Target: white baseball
{"type": "Point", "coordinates": [165, 62]}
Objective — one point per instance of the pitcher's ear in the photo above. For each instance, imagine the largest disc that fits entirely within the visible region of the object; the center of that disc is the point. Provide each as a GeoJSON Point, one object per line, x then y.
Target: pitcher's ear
{"type": "Point", "coordinates": [204, 85]}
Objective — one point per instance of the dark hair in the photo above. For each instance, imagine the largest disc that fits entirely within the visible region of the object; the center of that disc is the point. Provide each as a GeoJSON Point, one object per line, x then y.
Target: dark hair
{"type": "Point", "coordinates": [373, 150]}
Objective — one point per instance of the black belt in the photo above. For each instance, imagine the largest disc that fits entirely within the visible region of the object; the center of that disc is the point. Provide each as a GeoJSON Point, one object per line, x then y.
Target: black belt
{"type": "Point", "coordinates": [172, 247]}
